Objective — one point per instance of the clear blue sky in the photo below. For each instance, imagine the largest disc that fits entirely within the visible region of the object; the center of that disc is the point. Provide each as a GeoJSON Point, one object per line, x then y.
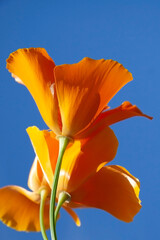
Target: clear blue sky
{"type": "Point", "coordinates": [126, 31]}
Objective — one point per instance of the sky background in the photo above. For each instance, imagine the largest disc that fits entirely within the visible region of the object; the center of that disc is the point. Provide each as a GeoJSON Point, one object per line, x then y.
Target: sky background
{"type": "Point", "coordinates": [126, 31]}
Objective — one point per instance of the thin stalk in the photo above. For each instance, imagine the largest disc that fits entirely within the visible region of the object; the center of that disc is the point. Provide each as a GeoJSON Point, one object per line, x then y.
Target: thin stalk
{"type": "Point", "coordinates": [63, 142]}
{"type": "Point", "coordinates": [44, 194]}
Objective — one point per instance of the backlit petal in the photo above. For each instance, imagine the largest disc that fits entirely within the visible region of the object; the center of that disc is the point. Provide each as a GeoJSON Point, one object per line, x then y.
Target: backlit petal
{"type": "Point", "coordinates": [46, 148]}
{"type": "Point", "coordinates": [112, 189]}
{"type": "Point", "coordinates": [85, 88]}
{"type": "Point", "coordinates": [19, 209]}
{"type": "Point", "coordinates": [34, 68]}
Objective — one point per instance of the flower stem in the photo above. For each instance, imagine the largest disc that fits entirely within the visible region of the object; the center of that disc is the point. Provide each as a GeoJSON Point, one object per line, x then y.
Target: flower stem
{"type": "Point", "coordinates": [44, 194]}
{"type": "Point", "coordinates": [63, 142]}
{"type": "Point", "coordinates": [63, 197]}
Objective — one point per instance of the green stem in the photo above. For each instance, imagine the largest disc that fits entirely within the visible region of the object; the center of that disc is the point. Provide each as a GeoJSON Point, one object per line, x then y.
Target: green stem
{"type": "Point", "coordinates": [63, 197]}
{"type": "Point", "coordinates": [44, 194]}
{"type": "Point", "coordinates": [63, 142]}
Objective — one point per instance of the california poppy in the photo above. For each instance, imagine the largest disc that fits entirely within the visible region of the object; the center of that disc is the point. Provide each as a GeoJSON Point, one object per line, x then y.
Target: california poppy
{"type": "Point", "coordinates": [71, 97]}
{"type": "Point", "coordinates": [84, 175]}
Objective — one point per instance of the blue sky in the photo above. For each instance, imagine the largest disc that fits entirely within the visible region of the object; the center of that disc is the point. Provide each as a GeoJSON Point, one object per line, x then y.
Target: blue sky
{"type": "Point", "coordinates": [126, 31]}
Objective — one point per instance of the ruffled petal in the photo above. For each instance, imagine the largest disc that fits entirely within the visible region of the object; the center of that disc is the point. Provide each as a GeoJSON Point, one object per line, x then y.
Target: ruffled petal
{"type": "Point", "coordinates": [84, 89]}
{"type": "Point", "coordinates": [19, 209]}
{"type": "Point", "coordinates": [36, 179]}
{"type": "Point", "coordinates": [109, 117]}
{"type": "Point", "coordinates": [112, 189]}
{"type": "Point", "coordinates": [46, 148]}
{"type": "Point", "coordinates": [34, 68]}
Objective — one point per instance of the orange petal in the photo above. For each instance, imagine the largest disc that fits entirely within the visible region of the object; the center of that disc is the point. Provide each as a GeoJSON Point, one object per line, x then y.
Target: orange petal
{"type": "Point", "coordinates": [36, 178]}
{"type": "Point", "coordinates": [34, 68]}
{"type": "Point", "coordinates": [109, 117]}
{"type": "Point", "coordinates": [112, 189]}
{"type": "Point", "coordinates": [19, 209]}
{"type": "Point", "coordinates": [84, 158]}
{"type": "Point", "coordinates": [73, 215]}
{"type": "Point", "coordinates": [46, 148]}
{"type": "Point", "coordinates": [84, 89]}
{"type": "Point", "coordinates": [126, 110]}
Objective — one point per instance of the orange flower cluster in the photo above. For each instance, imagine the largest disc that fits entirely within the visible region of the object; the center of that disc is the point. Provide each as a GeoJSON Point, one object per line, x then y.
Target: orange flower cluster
{"type": "Point", "coordinates": [73, 101]}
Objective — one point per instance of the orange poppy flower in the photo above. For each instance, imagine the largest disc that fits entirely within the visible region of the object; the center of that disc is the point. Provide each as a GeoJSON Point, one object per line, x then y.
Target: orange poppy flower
{"type": "Point", "coordinates": [20, 207]}
{"type": "Point", "coordinates": [71, 97]}
{"type": "Point", "coordinates": [84, 175]}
